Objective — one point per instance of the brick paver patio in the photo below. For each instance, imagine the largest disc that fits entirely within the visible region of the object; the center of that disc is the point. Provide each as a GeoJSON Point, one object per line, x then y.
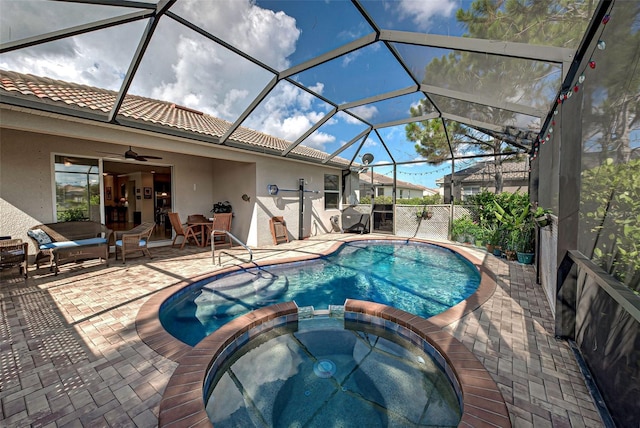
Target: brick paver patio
{"type": "Point", "coordinates": [70, 354]}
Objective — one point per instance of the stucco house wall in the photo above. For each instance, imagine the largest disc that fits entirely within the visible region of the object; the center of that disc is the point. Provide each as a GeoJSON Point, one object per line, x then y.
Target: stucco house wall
{"type": "Point", "coordinates": [203, 174]}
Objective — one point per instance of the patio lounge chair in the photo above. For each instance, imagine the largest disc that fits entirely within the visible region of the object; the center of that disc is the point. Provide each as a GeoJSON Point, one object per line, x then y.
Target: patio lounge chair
{"type": "Point", "coordinates": [134, 240]}
{"type": "Point", "coordinates": [187, 232]}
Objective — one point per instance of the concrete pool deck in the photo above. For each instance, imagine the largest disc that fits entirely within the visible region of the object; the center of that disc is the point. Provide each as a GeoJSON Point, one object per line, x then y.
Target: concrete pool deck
{"type": "Point", "coordinates": [71, 354]}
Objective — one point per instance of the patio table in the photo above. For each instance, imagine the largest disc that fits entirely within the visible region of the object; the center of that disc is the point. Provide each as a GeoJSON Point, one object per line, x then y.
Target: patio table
{"type": "Point", "coordinates": [205, 227]}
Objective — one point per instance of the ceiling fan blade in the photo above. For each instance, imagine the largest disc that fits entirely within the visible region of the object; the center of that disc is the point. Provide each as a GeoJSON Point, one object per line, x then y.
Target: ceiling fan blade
{"type": "Point", "coordinates": [130, 154]}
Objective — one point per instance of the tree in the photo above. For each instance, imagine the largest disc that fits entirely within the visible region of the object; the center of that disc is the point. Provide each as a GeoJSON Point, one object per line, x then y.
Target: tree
{"type": "Point", "coordinates": [433, 145]}
{"type": "Point", "coordinates": [431, 140]}
{"type": "Point", "coordinates": [612, 89]}
{"type": "Point", "coordinates": [533, 83]}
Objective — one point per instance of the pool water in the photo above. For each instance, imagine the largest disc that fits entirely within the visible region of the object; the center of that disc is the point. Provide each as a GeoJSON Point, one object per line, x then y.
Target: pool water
{"type": "Point", "coordinates": [324, 375]}
{"type": "Point", "coordinates": [419, 278]}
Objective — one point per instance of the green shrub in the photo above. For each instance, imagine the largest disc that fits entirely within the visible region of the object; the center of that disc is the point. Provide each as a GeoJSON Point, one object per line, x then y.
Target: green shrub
{"type": "Point", "coordinates": [464, 227]}
{"type": "Point", "coordinates": [72, 214]}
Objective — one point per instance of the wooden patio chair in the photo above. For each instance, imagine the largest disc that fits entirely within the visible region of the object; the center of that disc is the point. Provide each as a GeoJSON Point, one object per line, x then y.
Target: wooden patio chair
{"type": "Point", "coordinates": [134, 240]}
{"type": "Point", "coordinates": [278, 230]}
{"type": "Point", "coordinates": [221, 221]}
{"type": "Point", "coordinates": [187, 232]}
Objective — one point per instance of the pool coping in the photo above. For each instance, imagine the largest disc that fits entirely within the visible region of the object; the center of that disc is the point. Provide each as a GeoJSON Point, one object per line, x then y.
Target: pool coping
{"type": "Point", "coordinates": [182, 402]}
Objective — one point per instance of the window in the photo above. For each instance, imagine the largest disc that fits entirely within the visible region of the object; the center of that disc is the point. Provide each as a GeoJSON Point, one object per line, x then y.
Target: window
{"type": "Point", "coordinates": [331, 191]}
{"type": "Point", "coordinates": [469, 191]}
{"type": "Point", "coordinates": [77, 188]}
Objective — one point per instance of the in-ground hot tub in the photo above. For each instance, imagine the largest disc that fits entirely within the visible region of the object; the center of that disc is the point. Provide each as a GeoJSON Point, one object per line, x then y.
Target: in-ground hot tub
{"type": "Point", "coordinates": [326, 371]}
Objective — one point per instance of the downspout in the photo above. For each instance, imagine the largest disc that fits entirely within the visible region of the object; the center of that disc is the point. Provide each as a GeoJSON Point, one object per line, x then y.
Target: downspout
{"type": "Point", "coordinates": [301, 210]}
{"type": "Point", "coordinates": [393, 197]}
{"type": "Point", "coordinates": [373, 195]}
{"type": "Point", "coordinates": [453, 168]}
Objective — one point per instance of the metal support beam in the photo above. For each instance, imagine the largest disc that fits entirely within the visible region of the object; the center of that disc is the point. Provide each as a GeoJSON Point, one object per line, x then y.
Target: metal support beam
{"type": "Point", "coordinates": [407, 120]}
{"type": "Point", "coordinates": [381, 97]}
{"type": "Point", "coordinates": [310, 131]}
{"type": "Point", "coordinates": [474, 123]}
{"type": "Point", "coordinates": [75, 31]}
{"type": "Point", "coordinates": [346, 146]}
{"type": "Point", "coordinates": [254, 104]}
{"type": "Point", "coordinates": [487, 101]}
{"type": "Point", "coordinates": [493, 47]}
{"type": "Point", "coordinates": [336, 53]}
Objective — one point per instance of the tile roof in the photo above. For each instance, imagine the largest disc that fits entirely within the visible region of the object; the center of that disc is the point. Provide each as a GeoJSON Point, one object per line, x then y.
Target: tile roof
{"type": "Point", "coordinates": [383, 180]}
{"type": "Point", "coordinates": [486, 170]}
{"type": "Point", "coordinates": [137, 108]}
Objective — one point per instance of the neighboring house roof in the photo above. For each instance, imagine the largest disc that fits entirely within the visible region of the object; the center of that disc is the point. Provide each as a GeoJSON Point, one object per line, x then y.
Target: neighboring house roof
{"type": "Point", "coordinates": [383, 180]}
{"type": "Point", "coordinates": [100, 101]}
{"type": "Point", "coordinates": [484, 172]}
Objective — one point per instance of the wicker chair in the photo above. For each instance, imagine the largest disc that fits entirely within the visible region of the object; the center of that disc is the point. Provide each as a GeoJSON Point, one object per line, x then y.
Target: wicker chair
{"type": "Point", "coordinates": [134, 240]}
{"type": "Point", "coordinates": [13, 252]}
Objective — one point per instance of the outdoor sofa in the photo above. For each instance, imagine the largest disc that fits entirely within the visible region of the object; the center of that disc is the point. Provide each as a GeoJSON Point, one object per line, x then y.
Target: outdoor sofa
{"type": "Point", "coordinates": [70, 241]}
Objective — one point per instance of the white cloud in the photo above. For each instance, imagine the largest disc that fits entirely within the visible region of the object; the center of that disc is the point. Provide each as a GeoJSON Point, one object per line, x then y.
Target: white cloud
{"type": "Point", "coordinates": [288, 113]}
{"type": "Point", "coordinates": [423, 12]}
{"type": "Point", "coordinates": [370, 142]}
{"type": "Point", "coordinates": [262, 33]}
{"type": "Point", "coordinates": [350, 57]}
{"type": "Point", "coordinates": [364, 112]}
{"type": "Point", "coordinates": [295, 125]}
{"type": "Point", "coordinates": [98, 59]}
{"type": "Point", "coordinates": [318, 140]}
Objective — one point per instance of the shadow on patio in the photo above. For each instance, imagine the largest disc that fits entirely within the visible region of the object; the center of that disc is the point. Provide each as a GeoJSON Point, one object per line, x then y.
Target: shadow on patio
{"type": "Point", "coordinates": [71, 354]}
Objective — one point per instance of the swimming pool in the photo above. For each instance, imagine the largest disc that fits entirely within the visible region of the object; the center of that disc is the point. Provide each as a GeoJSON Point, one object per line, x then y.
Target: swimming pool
{"type": "Point", "coordinates": [420, 278]}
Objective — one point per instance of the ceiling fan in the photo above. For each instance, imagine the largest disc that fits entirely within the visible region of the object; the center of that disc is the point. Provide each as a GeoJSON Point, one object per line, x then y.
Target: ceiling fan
{"type": "Point", "coordinates": [130, 154]}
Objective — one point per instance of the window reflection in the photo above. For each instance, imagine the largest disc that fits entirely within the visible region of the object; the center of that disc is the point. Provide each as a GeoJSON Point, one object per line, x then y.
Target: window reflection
{"type": "Point", "coordinates": [77, 183]}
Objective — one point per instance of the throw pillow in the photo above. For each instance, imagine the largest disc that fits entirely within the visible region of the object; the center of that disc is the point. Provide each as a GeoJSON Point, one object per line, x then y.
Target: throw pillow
{"type": "Point", "coordinates": [40, 236]}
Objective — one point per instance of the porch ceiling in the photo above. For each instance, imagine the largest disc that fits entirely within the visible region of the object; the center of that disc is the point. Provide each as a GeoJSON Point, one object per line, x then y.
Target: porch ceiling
{"type": "Point", "coordinates": [325, 81]}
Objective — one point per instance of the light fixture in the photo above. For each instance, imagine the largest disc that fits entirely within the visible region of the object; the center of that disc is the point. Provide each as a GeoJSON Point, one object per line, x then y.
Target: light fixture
{"type": "Point", "coordinates": [367, 158]}
{"type": "Point", "coordinates": [246, 197]}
